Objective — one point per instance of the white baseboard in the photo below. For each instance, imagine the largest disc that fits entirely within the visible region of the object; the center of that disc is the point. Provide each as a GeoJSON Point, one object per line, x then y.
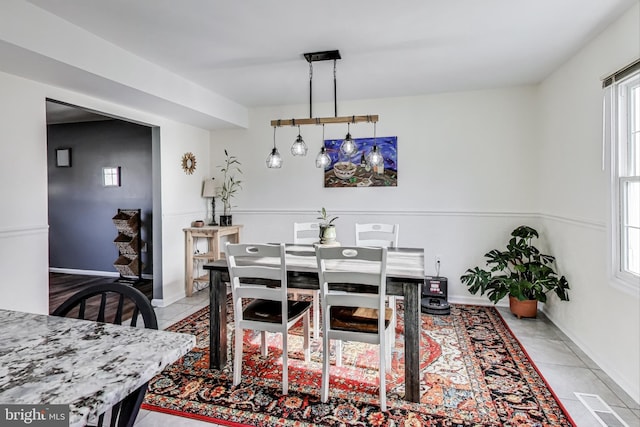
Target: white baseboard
{"type": "Point", "coordinates": [164, 302]}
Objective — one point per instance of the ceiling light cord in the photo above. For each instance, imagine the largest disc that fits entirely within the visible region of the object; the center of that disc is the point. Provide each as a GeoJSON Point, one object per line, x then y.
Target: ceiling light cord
{"type": "Point", "coordinates": [375, 157]}
{"type": "Point", "coordinates": [274, 161]}
{"type": "Point", "coordinates": [322, 159]}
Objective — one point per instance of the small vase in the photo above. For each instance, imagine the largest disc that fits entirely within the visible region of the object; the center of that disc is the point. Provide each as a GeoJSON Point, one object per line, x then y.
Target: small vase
{"type": "Point", "coordinates": [327, 235]}
{"type": "Point", "coordinates": [225, 220]}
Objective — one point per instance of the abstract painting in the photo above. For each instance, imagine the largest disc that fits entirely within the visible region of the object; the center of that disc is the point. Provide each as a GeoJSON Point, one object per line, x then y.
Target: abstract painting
{"type": "Point", "coordinates": [354, 171]}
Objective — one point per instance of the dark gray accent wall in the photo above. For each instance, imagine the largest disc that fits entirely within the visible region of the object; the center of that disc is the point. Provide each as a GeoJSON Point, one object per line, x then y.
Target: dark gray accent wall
{"type": "Point", "coordinates": [81, 230]}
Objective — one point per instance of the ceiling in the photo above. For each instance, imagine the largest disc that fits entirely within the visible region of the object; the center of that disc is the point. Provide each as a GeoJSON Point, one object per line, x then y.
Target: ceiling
{"type": "Point", "coordinates": [251, 51]}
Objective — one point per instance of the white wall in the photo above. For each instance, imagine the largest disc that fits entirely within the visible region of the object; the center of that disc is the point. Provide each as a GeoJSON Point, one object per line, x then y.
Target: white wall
{"type": "Point", "coordinates": [601, 319]}
{"type": "Point", "coordinates": [23, 172]}
{"type": "Point", "coordinates": [466, 174]}
{"type": "Point", "coordinates": [23, 196]}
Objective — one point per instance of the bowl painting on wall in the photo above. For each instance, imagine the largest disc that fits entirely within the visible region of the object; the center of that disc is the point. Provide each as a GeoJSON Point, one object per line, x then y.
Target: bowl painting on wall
{"type": "Point", "coordinates": [355, 171]}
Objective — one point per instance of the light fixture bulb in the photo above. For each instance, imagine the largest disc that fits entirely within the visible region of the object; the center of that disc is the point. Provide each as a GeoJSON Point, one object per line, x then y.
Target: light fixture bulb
{"type": "Point", "coordinates": [274, 161]}
{"type": "Point", "coordinates": [375, 158]}
{"type": "Point", "coordinates": [348, 146]}
{"type": "Point", "coordinates": [322, 159]}
{"type": "Point", "coordinates": [299, 148]}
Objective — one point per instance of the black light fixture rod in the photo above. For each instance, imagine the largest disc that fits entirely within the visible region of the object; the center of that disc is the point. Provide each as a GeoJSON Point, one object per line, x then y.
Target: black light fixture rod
{"type": "Point", "coordinates": [335, 91]}
{"type": "Point", "coordinates": [310, 89]}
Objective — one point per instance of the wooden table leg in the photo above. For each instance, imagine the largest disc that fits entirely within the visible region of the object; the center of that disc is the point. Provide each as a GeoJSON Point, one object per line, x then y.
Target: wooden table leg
{"type": "Point", "coordinates": [217, 321]}
{"type": "Point", "coordinates": [412, 334]}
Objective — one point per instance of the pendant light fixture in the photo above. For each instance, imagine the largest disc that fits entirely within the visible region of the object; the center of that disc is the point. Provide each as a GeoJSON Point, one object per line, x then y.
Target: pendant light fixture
{"type": "Point", "coordinates": [322, 159]}
{"type": "Point", "coordinates": [375, 157]}
{"type": "Point", "coordinates": [274, 161]}
{"type": "Point", "coordinates": [299, 148]}
{"type": "Point", "coordinates": [348, 146]}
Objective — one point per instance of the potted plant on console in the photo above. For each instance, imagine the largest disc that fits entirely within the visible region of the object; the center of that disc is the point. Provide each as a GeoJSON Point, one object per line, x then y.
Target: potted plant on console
{"type": "Point", "coordinates": [230, 186]}
{"type": "Point", "coordinates": [327, 228]}
{"type": "Point", "coordinates": [521, 271]}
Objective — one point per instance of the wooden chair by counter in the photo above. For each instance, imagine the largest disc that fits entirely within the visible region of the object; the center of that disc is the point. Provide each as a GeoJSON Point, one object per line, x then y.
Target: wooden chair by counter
{"type": "Point", "coordinates": [350, 315]}
{"type": "Point", "coordinates": [269, 309]}
{"type": "Point", "coordinates": [383, 236]}
{"type": "Point", "coordinates": [91, 304]}
{"type": "Point", "coordinates": [308, 233]}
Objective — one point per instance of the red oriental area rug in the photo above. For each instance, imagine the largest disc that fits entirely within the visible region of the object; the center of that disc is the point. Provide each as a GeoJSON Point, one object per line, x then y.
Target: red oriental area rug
{"type": "Point", "coordinates": [473, 372]}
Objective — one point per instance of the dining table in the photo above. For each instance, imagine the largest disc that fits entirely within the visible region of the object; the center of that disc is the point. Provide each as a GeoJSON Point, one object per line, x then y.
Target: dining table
{"type": "Point", "coordinates": [89, 366]}
{"type": "Point", "coordinates": [405, 276]}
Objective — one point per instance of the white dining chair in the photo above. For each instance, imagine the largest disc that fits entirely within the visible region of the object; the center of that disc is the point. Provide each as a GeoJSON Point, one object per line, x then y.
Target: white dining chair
{"type": "Point", "coordinates": [350, 315]}
{"type": "Point", "coordinates": [269, 309]}
{"type": "Point", "coordinates": [308, 233]}
{"type": "Point", "coordinates": [379, 235]}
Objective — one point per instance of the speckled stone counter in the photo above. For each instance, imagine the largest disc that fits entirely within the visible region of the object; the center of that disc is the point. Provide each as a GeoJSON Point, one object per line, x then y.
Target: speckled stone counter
{"type": "Point", "coordinates": [88, 365]}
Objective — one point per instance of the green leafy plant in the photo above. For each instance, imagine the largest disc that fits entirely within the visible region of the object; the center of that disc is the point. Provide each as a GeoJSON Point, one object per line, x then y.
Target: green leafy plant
{"type": "Point", "coordinates": [325, 221]}
{"type": "Point", "coordinates": [230, 185]}
{"type": "Point", "coordinates": [521, 271]}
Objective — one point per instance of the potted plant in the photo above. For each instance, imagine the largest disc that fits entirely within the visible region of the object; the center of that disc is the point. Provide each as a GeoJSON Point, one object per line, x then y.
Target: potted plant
{"type": "Point", "coordinates": [327, 228]}
{"type": "Point", "coordinates": [230, 185]}
{"type": "Point", "coordinates": [521, 271]}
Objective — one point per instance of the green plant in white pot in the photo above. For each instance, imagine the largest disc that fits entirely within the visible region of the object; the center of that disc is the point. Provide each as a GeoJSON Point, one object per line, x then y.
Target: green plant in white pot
{"type": "Point", "coordinates": [521, 271]}
{"type": "Point", "coordinates": [230, 186]}
{"type": "Point", "coordinates": [327, 228]}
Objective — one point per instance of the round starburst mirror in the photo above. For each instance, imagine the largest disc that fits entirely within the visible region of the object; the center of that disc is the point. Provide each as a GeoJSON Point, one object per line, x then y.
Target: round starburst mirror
{"type": "Point", "coordinates": [188, 163]}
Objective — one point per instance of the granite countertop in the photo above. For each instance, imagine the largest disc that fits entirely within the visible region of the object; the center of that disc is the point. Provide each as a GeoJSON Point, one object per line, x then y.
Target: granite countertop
{"type": "Point", "coordinates": [88, 365]}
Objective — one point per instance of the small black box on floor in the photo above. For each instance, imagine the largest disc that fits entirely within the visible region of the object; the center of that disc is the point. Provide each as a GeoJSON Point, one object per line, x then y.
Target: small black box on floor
{"type": "Point", "coordinates": [434, 295]}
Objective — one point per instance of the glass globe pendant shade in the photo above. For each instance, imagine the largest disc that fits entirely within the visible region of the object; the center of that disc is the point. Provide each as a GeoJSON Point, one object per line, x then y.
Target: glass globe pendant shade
{"type": "Point", "coordinates": [299, 148]}
{"type": "Point", "coordinates": [348, 146]}
{"type": "Point", "coordinates": [274, 161]}
{"type": "Point", "coordinates": [322, 159]}
{"type": "Point", "coordinates": [375, 158]}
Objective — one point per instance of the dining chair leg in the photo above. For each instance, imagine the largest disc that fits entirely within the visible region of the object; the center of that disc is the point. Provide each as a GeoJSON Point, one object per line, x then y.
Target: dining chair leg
{"type": "Point", "coordinates": [307, 350]}
{"type": "Point", "coordinates": [392, 305]}
{"type": "Point", "coordinates": [263, 343]}
{"type": "Point", "coordinates": [316, 315]}
{"type": "Point", "coordinates": [389, 347]}
{"type": "Point", "coordinates": [382, 374]}
{"type": "Point", "coordinates": [285, 363]}
{"type": "Point", "coordinates": [324, 388]}
{"type": "Point", "coordinates": [237, 357]}
{"type": "Point", "coordinates": [338, 344]}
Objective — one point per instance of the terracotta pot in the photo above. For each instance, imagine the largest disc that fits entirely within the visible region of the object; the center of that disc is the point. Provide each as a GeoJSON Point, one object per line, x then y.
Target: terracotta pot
{"type": "Point", "coordinates": [526, 308]}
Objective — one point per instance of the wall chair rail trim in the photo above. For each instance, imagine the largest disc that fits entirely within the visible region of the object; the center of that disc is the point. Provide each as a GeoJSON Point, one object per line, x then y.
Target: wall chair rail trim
{"type": "Point", "coordinates": [8, 232]}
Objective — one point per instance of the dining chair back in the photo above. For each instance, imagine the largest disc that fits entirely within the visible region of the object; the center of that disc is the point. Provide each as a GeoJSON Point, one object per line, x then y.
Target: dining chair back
{"type": "Point", "coordinates": [308, 233]}
{"type": "Point", "coordinates": [377, 234]}
{"type": "Point", "coordinates": [260, 301]}
{"type": "Point", "coordinates": [94, 303]}
{"type": "Point", "coordinates": [354, 315]}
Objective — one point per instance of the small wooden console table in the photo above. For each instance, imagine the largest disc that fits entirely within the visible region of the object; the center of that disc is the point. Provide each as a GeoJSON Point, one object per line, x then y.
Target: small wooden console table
{"type": "Point", "coordinates": [212, 235]}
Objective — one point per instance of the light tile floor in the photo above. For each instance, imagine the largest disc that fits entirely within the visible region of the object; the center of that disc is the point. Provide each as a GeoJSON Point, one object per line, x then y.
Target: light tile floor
{"type": "Point", "coordinates": [565, 367]}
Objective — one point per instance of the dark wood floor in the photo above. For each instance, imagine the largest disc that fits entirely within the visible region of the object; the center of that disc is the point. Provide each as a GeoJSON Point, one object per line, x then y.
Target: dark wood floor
{"type": "Point", "coordinates": [62, 286]}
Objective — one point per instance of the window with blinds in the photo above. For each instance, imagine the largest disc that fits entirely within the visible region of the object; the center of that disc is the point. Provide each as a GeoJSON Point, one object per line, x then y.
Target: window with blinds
{"type": "Point", "coordinates": [623, 122]}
